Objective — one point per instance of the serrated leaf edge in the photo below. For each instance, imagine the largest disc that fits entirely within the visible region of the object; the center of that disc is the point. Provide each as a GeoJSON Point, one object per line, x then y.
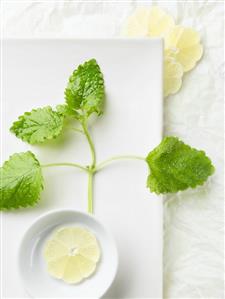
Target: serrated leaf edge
{"type": "Point", "coordinates": [42, 185]}
{"type": "Point", "coordinates": [201, 183]}
{"type": "Point", "coordinates": [43, 139]}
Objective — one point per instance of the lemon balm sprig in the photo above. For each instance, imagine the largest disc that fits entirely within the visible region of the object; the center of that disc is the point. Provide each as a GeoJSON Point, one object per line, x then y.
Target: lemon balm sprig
{"type": "Point", "coordinates": [173, 165]}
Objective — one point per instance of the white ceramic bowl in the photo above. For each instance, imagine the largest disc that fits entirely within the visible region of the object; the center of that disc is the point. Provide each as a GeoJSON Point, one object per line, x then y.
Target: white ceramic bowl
{"type": "Point", "coordinates": [39, 284]}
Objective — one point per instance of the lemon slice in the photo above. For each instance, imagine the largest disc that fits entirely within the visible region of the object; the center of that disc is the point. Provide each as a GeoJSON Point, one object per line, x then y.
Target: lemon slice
{"type": "Point", "coordinates": [72, 254]}
{"type": "Point", "coordinates": [186, 46]}
{"type": "Point", "coordinates": [146, 21]}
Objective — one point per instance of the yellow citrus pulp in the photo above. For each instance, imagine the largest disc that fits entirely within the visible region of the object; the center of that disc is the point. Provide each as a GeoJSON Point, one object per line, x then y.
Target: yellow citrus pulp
{"type": "Point", "coordinates": [173, 73]}
{"type": "Point", "coordinates": [153, 22]}
{"type": "Point", "coordinates": [72, 254]}
{"type": "Point", "coordinates": [183, 48]}
{"type": "Point", "coordinates": [185, 45]}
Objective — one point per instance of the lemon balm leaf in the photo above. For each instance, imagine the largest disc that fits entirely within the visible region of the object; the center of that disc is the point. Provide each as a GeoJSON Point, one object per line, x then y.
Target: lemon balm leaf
{"type": "Point", "coordinates": [21, 181]}
{"type": "Point", "coordinates": [38, 125]}
{"type": "Point", "coordinates": [175, 166]}
{"type": "Point", "coordinates": [84, 93]}
{"type": "Point", "coordinates": [65, 111]}
{"type": "Point", "coordinates": [62, 109]}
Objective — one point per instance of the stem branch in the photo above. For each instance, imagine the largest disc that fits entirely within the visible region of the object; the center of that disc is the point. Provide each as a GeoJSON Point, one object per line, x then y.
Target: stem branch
{"type": "Point", "coordinates": [112, 159]}
{"type": "Point", "coordinates": [65, 164]}
{"type": "Point", "coordinates": [77, 130]}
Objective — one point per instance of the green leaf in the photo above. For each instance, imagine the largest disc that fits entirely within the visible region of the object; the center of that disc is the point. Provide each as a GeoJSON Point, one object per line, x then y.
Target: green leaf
{"type": "Point", "coordinates": [85, 90]}
{"type": "Point", "coordinates": [21, 181]}
{"type": "Point", "coordinates": [64, 110]}
{"type": "Point", "coordinates": [38, 125]}
{"type": "Point", "coordinates": [175, 166]}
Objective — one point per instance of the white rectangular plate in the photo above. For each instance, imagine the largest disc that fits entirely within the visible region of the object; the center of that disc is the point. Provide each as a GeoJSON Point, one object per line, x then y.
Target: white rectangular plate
{"type": "Point", "coordinates": [35, 73]}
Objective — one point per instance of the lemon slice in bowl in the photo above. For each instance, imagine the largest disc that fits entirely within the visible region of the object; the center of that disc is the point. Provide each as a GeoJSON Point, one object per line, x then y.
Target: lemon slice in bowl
{"type": "Point", "coordinates": [72, 254]}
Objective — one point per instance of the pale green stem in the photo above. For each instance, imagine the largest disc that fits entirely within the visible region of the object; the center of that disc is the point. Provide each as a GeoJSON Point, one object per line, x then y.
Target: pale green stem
{"type": "Point", "coordinates": [115, 158]}
{"type": "Point", "coordinates": [65, 164]}
{"type": "Point", "coordinates": [90, 192]}
{"type": "Point", "coordinates": [77, 130]}
{"type": "Point", "coordinates": [90, 142]}
{"type": "Point", "coordinates": [91, 168]}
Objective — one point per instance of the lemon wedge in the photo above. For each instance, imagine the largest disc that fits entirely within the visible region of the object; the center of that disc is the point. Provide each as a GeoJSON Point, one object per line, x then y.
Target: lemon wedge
{"type": "Point", "coordinates": [72, 254]}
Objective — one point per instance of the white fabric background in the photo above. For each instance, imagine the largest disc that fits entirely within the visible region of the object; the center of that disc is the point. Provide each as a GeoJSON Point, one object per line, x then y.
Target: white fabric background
{"type": "Point", "coordinates": [193, 220]}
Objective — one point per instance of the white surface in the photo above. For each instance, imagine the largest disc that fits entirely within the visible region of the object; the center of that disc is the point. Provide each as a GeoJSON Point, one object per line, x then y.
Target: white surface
{"type": "Point", "coordinates": [193, 221]}
{"type": "Point", "coordinates": [131, 124]}
{"type": "Point", "coordinates": [33, 269]}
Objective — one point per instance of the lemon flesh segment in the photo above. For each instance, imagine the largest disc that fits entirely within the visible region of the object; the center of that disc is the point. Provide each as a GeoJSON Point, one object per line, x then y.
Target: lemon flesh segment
{"type": "Point", "coordinates": [78, 268]}
{"type": "Point", "coordinates": [91, 252]}
{"type": "Point", "coordinates": [173, 73]}
{"type": "Point", "coordinates": [186, 44]}
{"type": "Point", "coordinates": [72, 254]}
{"type": "Point", "coordinates": [159, 22]}
{"type": "Point", "coordinates": [72, 273]}
{"type": "Point", "coordinates": [87, 267]}
{"type": "Point", "coordinates": [65, 236]}
{"type": "Point", "coordinates": [54, 249]}
{"type": "Point", "coordinates": [82, 237]}
{"type": "Point", "coordinates": [57, 267]}
{"type": "Point", "coordinates": [153, 22]}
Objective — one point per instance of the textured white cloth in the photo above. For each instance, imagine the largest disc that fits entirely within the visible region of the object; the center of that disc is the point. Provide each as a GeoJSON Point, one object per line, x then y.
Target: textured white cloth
{"type": "Point", "coordinates": [193, 220]}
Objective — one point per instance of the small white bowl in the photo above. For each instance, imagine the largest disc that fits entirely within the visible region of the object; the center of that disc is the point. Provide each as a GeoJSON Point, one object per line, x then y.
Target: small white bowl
{"type": "Point", "coordinates": [39, 284]}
